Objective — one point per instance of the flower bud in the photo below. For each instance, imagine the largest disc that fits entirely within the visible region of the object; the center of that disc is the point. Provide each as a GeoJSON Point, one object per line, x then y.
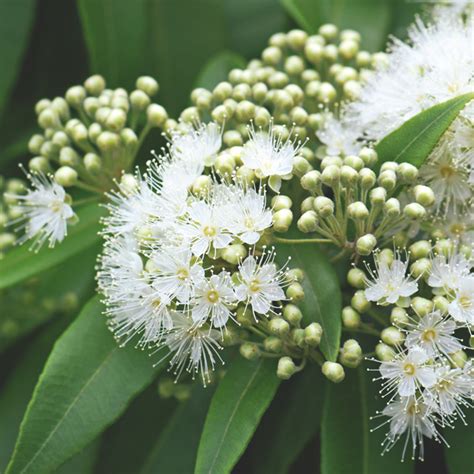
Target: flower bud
{"type": "Point", "coordinates": [368, 156]}
{"type": "Point", "coordinates": [39, 164]}
{"type": "Point", "coordinates": [301, 166]}
{"type": "Point", "coordinates": [424, 195]}
{"type": "Point", "coordinates": [166, 387]}
{"type": "Point", "coordinates": [294, 274]}
{"type": "Point", "coordinates": [421, 306]}
{"type": "Point", "coordinates": [323, 206]}
{"type": "Point", "coordinates": [420, 249]}
{"type": "Point", "coordinates": [359, 302]}
{"type": "Point", "coordinates": [311, 181]}
{"type": "Point", "coordinates": [384, 353]}
{"type": "Point", "coordinates": [249, 351]}
{"type": "Point", "coordinates": [312, 334]}
{"type": "Point", "coordinates": [414, 211]}
{"type": "Point", "coordinates": [80, 133]}
{"type": "Point", "coordinates": [286, 368]}
{"type": "Point", "coordinates": [92, 163]}
{"type": "Point", "coordinates": [349, 176]}
{"type": "Point", "coordinates": [295, 292]}
{"type": "Point", "coordinates": [75, 95]}
{"type": "Point", "coordinates": [350, 318]}
{"type": "Point", "coordinates": [308, 222]}
{"type": "Point", "coordinates": [444, 247]}
{"type": "Point", "coordinates": [392, 336]}
{"type": "Point", "coordinates": [139, 100]}
{"type": "Point", "coordinates": [273, 344]}
{"type": "Point", "coordinates": [66, 176]}
{"type": "Point", "coordinates": [272, 55]}
{"type": "Point", "coordinates": [48, 119]}
{"type": "Point", "coordinates": [366, 244]}
{"type": "Point", "coordinates": [262, 117]}
{"type": "Point", "coordinates": [358, 211]}
{"type": "Point", "coordinates": [69, 157]}
{"type": "Point", "coordinates": [352, 89]}
{"type": "Point", "coordinates": [297, 337]}
{"type": "Point", "coordinates": [108, 141]}
{"type": "Point", "coordinates": [35, 143]}
{"type": "Point", "coordinates": [232, 138]}
{"type": "Point", "coordinates": [351, 354]}
{"type": "Point", "coordinates": [314, 52]}
{"type": "Point", "coordinates": [282, 220]}
{"type": "Point", "coordinates": [378, 196]}
{"type": "Point", "coordinates": [292, 314]}
{"type": "Point", "coordinates": [281, 202]}
{"type": "Point", "coordinates": [244, 316]}
{"type": "Point", "coordinates": [222, 91]}
{"type": "Point", "coordinates": [333, 371]}
{"type": "Point", "coordinates": [296, 39]}
{"type": "Point", "coordinates": [392, 207]}
{"type": "Point", "coordinates": [7, 240]}
{"type": "Point", "coordinates": [367, 178]}
{"type": "Point", "coordinates": [307, 204]}
{"type": "Point", "coordinates": [458, 359]}
{"type": "Point", "coordinates": [156, 115]}
{"type": "Point", "coordinates": [148, 85]}
{"type": "Point", "coordinates": [388, 179]}
{"type": "Point", "coordinates": [294, 65]}
{"type": "Point", "coordinates": [42, 105]}
{"type": "Point", "coordinates": [356, 278]}
{"type": "Point", "coordinates": [234, 253]}
{"type": "Point", "coordinates": [348, 49]}
{"type": "Point", "coordinates": [399, 317]}
{"type": "Point", "coordinates": [441, 304]}
{"type": "Point", "coordinates": [95, 84]}
{"type": "Point", "coordinates": [331, 160]}
{"type": "Point", "coordinates": [279, 327]}
{"type": "Point", "coordinates": [327, 93]}
{"type": "Point", "coordinates": [407, 172]}
{"type": "Point", "coordinates": [128, 183]}
{"type": "Point", "coordinates": [421, 268]}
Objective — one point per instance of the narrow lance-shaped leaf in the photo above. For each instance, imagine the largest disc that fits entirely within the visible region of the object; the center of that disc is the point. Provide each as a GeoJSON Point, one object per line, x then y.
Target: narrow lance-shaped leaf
{"type": "Point", "coordinates": [21, 263]}
{"type": "Point", "coordinates": [415, 139]}
{"type": "Point", "coordinates": [86, 384]}
{"type": "Point", "coordinates": [322, 301]}
{"type": "Point", "coordinates": [240, 400]}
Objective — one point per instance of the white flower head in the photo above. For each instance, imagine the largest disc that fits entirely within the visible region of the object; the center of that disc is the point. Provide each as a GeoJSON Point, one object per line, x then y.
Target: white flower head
{"type": "Point", "coordinates": [212, 300]}
{"type": "Point", "coordinates": [339, 138]}
{"type": "Point", "coordinates": [261, 284]}
{"type": "Point", "coordinates": [462, 306]}
{"type": "Point", "coordinates": [45, 211]}
{"type": "Point", "coordinates": [447, 272]}
{"type": "Point", "coordinates": [388, 283]}
{"type": "Point", "coordinates": [407, 372]}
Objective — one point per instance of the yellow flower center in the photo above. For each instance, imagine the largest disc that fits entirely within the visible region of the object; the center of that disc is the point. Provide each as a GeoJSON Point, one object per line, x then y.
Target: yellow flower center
{"type": "Point", "coordinates": [457, 228]}
{"type": "Point", "coordinates": [428, 335]}
{"type": "Point", "coordinates": [255, 285]}
{"type": "Point", "coordinates": [444, 385]}
{"type": "Point", "coordinates": [182, 274]}
{"type": "Point", "coordinates": [249, 223]}
{"type": "Point", "coordinates": [56, 206]}
{"type": "Point", "coordinates": [465, 302]}
{"type": "Point", "coordinates": [413, 409]}
{"type": "Point", "coordinates": [209, 231]}
{"type": "Point", "coordinates": [446, 171]}
{"type": "Point", "coordinates": [409, 368]}
{"type": "Point", "coordinates": [212, 296]}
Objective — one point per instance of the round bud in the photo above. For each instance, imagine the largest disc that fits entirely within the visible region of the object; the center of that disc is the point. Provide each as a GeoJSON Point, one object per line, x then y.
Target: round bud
{"type": "Point", "coordinates": [392, 336]}
{"type": "Point", "coordinates": [351, 354]}
{"type": "Point", "coordinates": [298, 116]}
{"type": "Point", "coordinates": [156, 115]}
{"type": "Point", "coordinates": [278, 80]}
{"type": "Point", "coordinates": [354, 162]}
{"type": "Point", "coordinates": [313, 334]}
{"type": "Point", "coordinates": [278, 327]}
{"type": "Point", "coordinates": [348, 49]}
{"type": "Point", "coordinates": [363, 59]}
{"type": "Point", "coordinates": [308, 222]}
{"type": "Point", "coordinates": [389, 166]}
{"type": "Point", "coordinates": [108, 141]}
{"type": "Point", "coordinates": [224, 164]}
{"type": "Point", "coordinates": [234, 253]}
{"type": "Point", "coordinates": [35, 143]}
{"type": "Point", "coordinates": [296, 39]}
{"type": "Point", "coordinates": [378, 196]}
{"type": "Point", "coordinates": [458, 359]}
{"type": "Point", "coordinates": [407, 172]}
{"type": "Point", "coordinates": [369, 156]}
{"type": "Point", "coordinates": [367, 178]}
{"type": "Point", "coordinates": [359, 302]}
{"type": "Point", "coordinates": [92, 163]}
{"type": "Point", "coordinates": [129, 138]}
{"type": "Point", "coordinates": [333, 371]}
{"type": "Point", "coordinates": [230, 336]}
{"type": "Point", "coordinates": [392, 207]}
{"type": "Point", "coordinates": [327, 93]}
{"type": "Point", "coordinates": [424, 195]}
{"type": "Point", "coordinates": [331, 160]}
{"type": "Point", "coordinates": [273, 344]}
{"type": "Point", "coordinates": [262, 117]}
{"type": "Point", "coordinates": [219, 114]}
{"type": "Point", "coordinates": [307, 204]}
{"type": "Point", "coordinates": [331, 175]}
{"type": "Point", "coordinates": [420, 249]}
{"type": "Point", "coordinates": [42, 105]}
{"type": "Point", "coordinates": [314, 52]}
{"type": "Point", "coordinates": [444, 247]}
{"type": "Point", "coordinates": [69, 157]}
{"type": "Point", "coordinates": [384, 353]}
{"type": "Point", "coordinates": [366, 244]}
{"type": "Point", "coordinates": [116, 120]}
{"type": "Point", "coordinates": [249, 351]}
{"type": "Point", "coordinates": [292, 314]}
{"type": "Point", "coordinates": [94, 131]}
{"type": "Point", "coordinates": [328, 31]}
{"type": "Point", "coordinates": [281, 202]}
{"type": "Point", "coordinates": [128, 183]}
{"type": "Point", "coordinates": [39, 164]}
{"type": "Point", "coordinates": [349, 176]}
{"type": "Point", "coordinates": [399, 317]}
{"type": "Point", "coordinates": [414, 211]}
{"type": "Point", "coordinates": [295, 292]}
{"type": "Point", "coordinates": [48, 118]}
{"type": "Point", "coordinates": [95, 84]}
{"type": "Point", "coordinates": [148, 85]}
{"type": "Point", "coordinates": [441, 304]}
{"type": "Point", "coordinates": [358, 211]}
{"type": "Point", "coordinates": [75, 95]}
{"type": "Point", "coordinates": [272, 55]}
{"type": "Point", "coordinates": [297, 337]}
{"type": "Point", "coordinates": [232, 138]}
{"type": "Point", "coordinates": [421, 268]}
{"type": "Point", "coordinates": [139, 100]}
{"type": "Point", "coordinates": [294, 274]}
{"type": "Point", "coordinates": [201, 185]}
{"type": "Point", "coordinates": [282, 220]}
{"type": "Point", "coordinates": [356, 278]}
{"type": "Point", "coordinates": [79, 133]}
{"type": "Point", "coordinates": [7, 240]}
{"type": "Point", "coordinates": [66, 176]}
{"type": "Point", "coordinates": [388, 179]}
{"type": "Point", "coordinates": [323, 206]}
{"type": "Point", "coordinates": [385, 256]}
{"type": "Point", "coordinates": [350, 318]}
{"type": "Point", "coordinates": [421, 306]}
{"type": "Point", "coordinates": [286, 368]}
{"type": "Point", "coordinates": [294, 65]}
{"type": "Point", "coordinates": [222, 91]}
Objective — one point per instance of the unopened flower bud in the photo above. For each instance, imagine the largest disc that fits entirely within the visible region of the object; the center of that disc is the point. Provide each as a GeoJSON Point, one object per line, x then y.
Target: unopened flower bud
{"type": "Point", "coordinates": [48, 119]}
{"type": "Point", "coordinates": [66, 176]}
{"type": "Point", "coordinates": [39, 164]}
{"type": "Point", "coordinates": [424, 195]}
{"type": "Point", "coordinates": [279, 327]}
{"type": "Point", "coordinates": [348, 49]}
{"type": "Point", "coordinates": [414, 211]}
{"type": "Point", "coordinates": [352, 89]}
{"type": "Point", "coordinates": [69, 157]}
{"type": "Point", "coordinates": [281, 202]}
{"type": "Point", "coordinates": [392, 336]}
{"type": "Point", "coordinates": [323, 206]}
{"type": "Point", "coordinates": [234, 253]}
{"type": "Point", "coordinates": [108, 141]}
{"type": "Point", "coordinates": [286, 368]}
{"type": "Point", "coordinates": [420, 249]}
{"type": "Point", "coordinates": [351, 354]}
{"type": "Point", "coordinates": [359, 302]}
{"type": "Point", "coordinates": [314, 52]}
{"type": "Point", "coordinates": [148, 85]}
{"type": "Point", "coordinates": [232, 138]}
{"type": "Point", "coordinates": [331, 160]}
{"type": "Point", "coordinates": [297, 337]}
{"type": "Point", "coordinates": [292, 314]}
{"type": "Point", "coordinates": [307, 204]}
{"type": "Point", "coordinates": [421, 268]}
{"type": "Point", "coordinates": [7, 240]}
{"type": "Point", "coordinates": [80, 133]}
{"type": "Point", "coordinates": [311, 180]}
{"type": "Point", "coordinates": [367, 178]}
{"type": "Point", "coordinates": [92, 163]}
{"type": "Point", "coordinates": [388, 179]}
{"type": "Point", "coordinates": [139, 100]}
{"type": "Point", "coordinates": [389, 166]}
{"type": "Point", "coordinates": [441, 304]}
{"type": "Point", "coordinates": [42, 105]}
{"type": "Point", "coordinates": [273, 344]}
{"type": "Point", "coordinates": [356, 278]}
{"type": "Point", "coordinates": [35, 143]}
{"type": "Point", "coordinates": [384, 353]}
{"type": "Point", "coordinates": [366, 244]}
{"type": "Point", "coordinates": [230, 336]}
{"type": "Point", "coordinates": [202, 185]}
{"type": "Point", "coordinates": [313, 334]}
{"type": "Point", "coordinates": [294, 274]}
{"type": "Point", "coordinates": [75, 95]}
{"type": "Point", "coordinates": [327, 93]}
{"type": "Point", "coordinates": [156, 115]}
{"type": "Point", "coordinates": [294, 65]}
{"type": "Point", "coordinates": [333, 371]}
{"type": "Point", "coordinates": [458, 359]}
{"type": "Point", "coordinates": [392, 207]}
{"type": "Point", "coordinates": [295, 292]}
{"type": "Point", "coordinates": [95, 84]}
{"type": "Point", "coordinates": [407, 172]}
{"type": "Point", "coordinates": [296, 39]}
{"type": "Point", "coordinates": [262, 117]}
{"type": "Point", "coordinates": [128, 183]}
{"type": "Point", "coordinates": [421, 306]}
{"type": "Point", "coordinates": [369, 156]}
{"type": "Point", "coordinates": [282, 220]}
{"type": "Point", "coordinates": [166, 387]}
{"type": "Point", "coordinates": [249, 351]}
{"type": "Point", "coordinates": [358, 211]}
{"type": "Point", "coordinates": [349, 176]}
{"type": "Point", "coordinates": [308, 222]}
{"type": "Point", "coordinates": [378, 196]}
{"type": "Point", "coordinates": [350, 318]}
{"type": "Point", "coordinates": [444, 247]}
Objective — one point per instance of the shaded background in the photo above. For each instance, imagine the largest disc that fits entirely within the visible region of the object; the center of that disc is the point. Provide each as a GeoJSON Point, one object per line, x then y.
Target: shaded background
{"type": "Point", "coordinates": [48, 45]}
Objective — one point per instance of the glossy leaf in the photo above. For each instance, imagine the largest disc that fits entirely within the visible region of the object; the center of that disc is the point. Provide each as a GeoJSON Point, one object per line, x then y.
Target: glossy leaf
{"type": "Point", "coordinates": [459, 456]}
{"type": "Point", "coordinates": [347, 445]}
{"type": "Point", "coordinates": [86, 384]}
{"type": "Point", "coordinates": [322, 302]}
{"type": "Point", "coordinates": [240, 400]}
{"type": "Point", "coordinates": [21, 263]}
{"type": "Point", "coordinates": [415, 139]}
{"type": "Point", "coordinates": [217, 69]}
{"type": "Point", "coordinates": [371, 18]}
{"type": "Point", "coordinates": [176, 447]}
{"type": "Point", "coordinates": [297, 409]}
{"type": "Point", "coordinates": [83, 462]}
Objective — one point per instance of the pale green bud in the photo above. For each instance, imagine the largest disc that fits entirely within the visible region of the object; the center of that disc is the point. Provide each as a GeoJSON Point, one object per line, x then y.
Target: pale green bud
{"type": "Point", "coordinates": [351, 354]}
{"type": "Point", "coordinates": [95, 84]}
{"type": "Point", "coordinates": [414, 211]}
{"type": "Point", "coordinates": [262, 117]}
{"type": "Point", "coordinates": [314, 52]}
{"type": "Point", "coordinates": [333, 371]}
{"type": "Point", "coordinates": [308, 222]}
{"type": "Point", "coordinates": [277, 39]}
{"type": "Point", "coordinates": [249, 351]}
{"type": "Point", "coordinates": [69, 157]}
{"type": "Point", "coordinates": [386, 256]}
{"type": "Point", "coordinates": [424, 195]}
{"type": "Point", "coordinates": [392, 336]}
{"type": "Point", "coordinates": [278, 80]}
{"type": "Point", "coordinates": [129, 138]}
{"type": "Point", "coordinates": [392, 207]}
{"type": "Point", "coordinates": [219, 114]}
{"type": "Point", "coordinates": [75, 95]}
{"type": "Point", "coordinates": [92, 163]}
{"type": "Point", "coordinates": [283, 100]}
{"type": "Point", "coordinates": [245, 111]}
{"type": "Point", "coordinates": [79, 133]}
{"type": "Point", "coordinates": [331, 175]}
{"type": "Point", "coordinates": [139, 100]}
{"type": "Point", "coordinates": [352, 89]}
{"type": "Point", "coordinates": [399, 317]}
{"type": "Point", "coordinates": [354, 162]}
{"type": "Point", "coordinates": [66, 176]}
{"type": "Point", "coordinates": [294, 274]}
{"type": "Point", "coordinates": [94, 131]}
{"type": "Point", "coordinates": [311, 180]}
{"type": "Point", "coordinates": [157, 115]}
{"type": "Point", "coordinates": [301, 166]}
{"type": "Point", "coordinates": [61, 107]}
{"type": "Point", "coordinates": [458, 359]}
{"type": "Point", "coordinates": [232, 138]}
{"type": "Point", "coordinates": [241, 92]}
{"type": "Point", "coordinates": [61, 139]}
{"type": "Point", "coordinates": [331, 160]}
{"type": "Point", "coordinates": [349, 176]}
{"type": "Point", "coordinates": [350, 318]}
{"type": "Point", "coordinates": [384, 353]}
{"type": "Point", "coordinates": [15, 186]}
{"type": "Point", "coordinates": [327, 93]}
{"type": "Point", "coordinates": [273, 344]}
{"type": "Point", "coordinates": [400, 239]}
{"type": "Point", "coordinates": [234, 253]}
{"type": "Point", "coordinates": [348, 49]}
{"type": "Point", "coordinates": [323, 206]}
{"type": "Point", "coordinates": [279, 327]}
{"type": "Point", "coordinates": [108, 141]}
{"type": "Point", "coordinates": [444, 247]}
{"type": "Point", "coordinates": [313, 334]}
{"type": "Point", "coordinates": [330, 53]}
{"type": "Point", "coordinates": [420, 249]}
{"type": "Point", "coordinates": [295, 292]}
{"type": "Point", "coordinates": [363, 59]}
{"type": "Point", "coordinates": [367, 178]}
{"type": "Point", "coordinates": [7, 240]}
{"type": "Point", "coordinates": [222, 91]}
{"type": "Point", "coordinates": [358, 211]}
{"type": "Point", "coordinates": [35, 143]}
{"type": "Point", "coordinates": [359, 302]}
{"type": "Point", "coordinates": [282, 220]}
{"type": "Point", "coordinates": [244, 316]}
{"type": "Point", "coordinates": [312, 90]}
{"type": "Point", "coordinates": [39, 164]}
{"type": "Point", "coordinates": [328, 31]}
{"type": "Point", "coordinates": [388, 179]}
{"type": "Point", "coordinates": [378, 196]}
{"type": "Point", "coordinates": [294, 65]}
{"type": "Point", "coordinates": [389, 166]}
{"type": "Point", "coordinates": [281, 202]}
{"type": "Point", "coordinates": [148, 85]}
{"type": "Point", "coordinates": [350, 35]}
{"type": "Point", "coordinates": [369, 156]}
{"type": "Point", "coordinates": [421, 268]}
{"type": "Point", "coordinates": [42, 105]}
{"type": "Point", "coordinates": [366, 244]}
{"type": "Point", "coordinates": [441, 304]}
{"type": "Point", "coordinates": [204, 100]}
{"type": "Point", "coordinates": [297, 337]}
{"type": "Point", "coordinates": [128, 183]}
{"type": "Point", "coordinates": [224, 164]}
{"type": "Point", "coordinates": [356, 278]}
{"type": "Point", "coordinates": [296, 39]}
{"type": "Point", "coordinates": [315, 121]}
{"type": "Point", "coordinates": [48, 118]}
{"type": "Point", "coordinates": [307, 204]}
{"type": "Point", "coordinates": [292, 314]}
{"type": "Point", "coordinates": [421, 306]}
{"type": "Point", "coordinates": [272, 55]}
{"type": "Point", "coordinates": [286, 368]}
{"type": "Point", "coordinates": [407, 172]}
{"type": "Point", "coordinates": [202, 185]}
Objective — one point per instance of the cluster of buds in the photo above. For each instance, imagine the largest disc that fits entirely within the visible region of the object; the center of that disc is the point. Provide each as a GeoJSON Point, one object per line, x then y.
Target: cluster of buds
{"type": "Point", "coordinates": [93, 133]}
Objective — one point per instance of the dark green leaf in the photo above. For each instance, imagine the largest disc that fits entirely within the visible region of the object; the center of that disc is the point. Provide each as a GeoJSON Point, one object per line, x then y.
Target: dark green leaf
{"type": "Point", "coordinates": [416, 138]}
{"type": "Point", "coordinates": [371, 18]}
{"type": "Point", "coordinates": [240, 400]}
{"type": "Point", "coordinates": [217, 69]}
{"type": "Point", "coordinates": [21, 263]}
{"type": "Point", "coordinates": [347, 445]}
{"type": "Point", "coordinates": [175, 449]}
{"type": "Point", "coordinates": [322, 301]}
{"type": "Point", "coordinates": [459, 456]}
{"type": "Point", "coordinates": [15, 26]}
{"type": "Point", "coordinates": [83, 462]}
{"type": "Point", "coordinates": [292, 420]}
{"type": "Point", "coordinates": [86, 384]}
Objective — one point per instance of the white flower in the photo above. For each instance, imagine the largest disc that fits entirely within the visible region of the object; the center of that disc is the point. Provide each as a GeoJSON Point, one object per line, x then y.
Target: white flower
{"type": "Point", "coordinates": [205, 227]}
{"type": "Point", "coordinates": [45, 211]}
{"type": "Point", "coordinates": [261, 284]}
{"type": "Point", "coordinates": [193, 348]}
{"type": "Point", "coordinates": [462, 306]}
{"type": "Point", "coordinates": [175, 273]}
{"type": "Point", "coordinates": [212, 299]}
{"type": "Point", "coordinates": [434, 334]}
{"type": "Point", "coordinates": [407, 372]}
{"type": "Point", "coordinates": [268, 154]}
{"type": "Point", "coordinates": [390, 282]}
{"type": "Point", "coordinates": [446, 272]}
{"type": "Point", "coordinates": [413, 417]}
{"type": "Point", "coordinates": [340, 139]}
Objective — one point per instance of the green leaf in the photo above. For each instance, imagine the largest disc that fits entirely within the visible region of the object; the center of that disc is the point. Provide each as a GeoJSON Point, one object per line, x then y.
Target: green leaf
{"type": "Point", "coordinates": [296, 410]}
{"type": "Point", "coordinates": [322, 302]}
{"type": "Point", "coordinates": [17, 21]}
{"type": "Point", "coordinates": [86, 384]}
{"type": "Point", "coordinates": [415, 139]}
{"type": "Point", "coordinates": [347, 445]}
{"type": "Point", "coordinates": [176, 447]}
{"type": "Point", "coordinates": [21, 263]}
{"type": "Point", "coordinates": [83, 462]}
{"type": "Point", "coordinates": [371, 18]}
{"type": "Point", "coordinates": [240, 400]}
{"type": "Point", "coordinates": [217, 69]}
{"type": "Point", "coordinates": [459, 457]}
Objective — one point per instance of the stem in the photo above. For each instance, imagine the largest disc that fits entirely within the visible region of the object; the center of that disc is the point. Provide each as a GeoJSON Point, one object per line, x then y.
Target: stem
{"type": "Point", "coordinates": [88, 187]}
{"type": "Point", "coordinates": [281, 240]}
{"type": "Point", "coordinates": [80, 202]}
{"type": "Point", "coordinates": [340, 255]}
